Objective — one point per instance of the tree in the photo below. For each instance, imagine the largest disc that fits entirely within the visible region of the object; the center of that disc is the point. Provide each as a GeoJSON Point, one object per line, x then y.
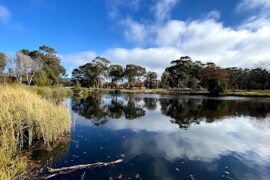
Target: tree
{"type": "Point", "coordinates": [86, 75]}
{"type": "Point", "coordinates": [165, 79]}
{"type": "Point", "coordinates": [3, 62]}
{"type": "Point", "coordinates": [50, 63]}
{"type": "Point", "coordinates": [215, 79]}
{"type": "Point", "coordinates": [91, 74]}
{"type": "Point", "coordinates": [183, 73]}
{"type": "Point", "coordinates": [116, 73]}
{"type": "Point", "coordinates": [151, 80]}
{"type": "Point", "coordinates": [133, 73]}
{"type": "Point", "coordinates": [26, 67]}
{"type": "Point", "coordinates": [101, 69]}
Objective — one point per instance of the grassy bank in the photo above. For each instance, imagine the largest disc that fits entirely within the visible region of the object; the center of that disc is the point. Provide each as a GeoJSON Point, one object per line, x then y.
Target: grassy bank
{"type": "Point", "coordinates": [26, 118]}
{"type": "Point", "coordinates": [145, 91]}
{"type": "Point", "coordinates": [250, 93]}
{"type": "Point", "coordinates": [52, 93]}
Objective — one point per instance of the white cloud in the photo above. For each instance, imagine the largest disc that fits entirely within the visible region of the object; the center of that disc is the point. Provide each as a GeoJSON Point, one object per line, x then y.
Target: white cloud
{"type": "Point", "coordinates": [207, 39]}
{"type": "Point", "coordinates": [114, 6]}
{"type": "Point", "coordinates": [153, 59]}
{"type": "Point", "coordinates": [213, 15]}
{"type": "Point", "coordinates": [234, 133]}
{"type": "Point", "coordinates": [134, 31]}
{"type": "Point", "coordinates": [162, 9]}
{"type": "Point", "coordinates": [5, 14]}
{"type": "Point", "coordinates": [253, 4]}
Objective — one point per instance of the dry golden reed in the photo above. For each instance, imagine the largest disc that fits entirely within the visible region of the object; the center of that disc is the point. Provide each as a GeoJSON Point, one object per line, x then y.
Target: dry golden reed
{"type": "Point", "coordinates": [26, 118]}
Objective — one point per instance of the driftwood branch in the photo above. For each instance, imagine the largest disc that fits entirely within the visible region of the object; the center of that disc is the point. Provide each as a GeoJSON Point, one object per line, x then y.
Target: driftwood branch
{"type": "Point", "coordinates": [84, 166]}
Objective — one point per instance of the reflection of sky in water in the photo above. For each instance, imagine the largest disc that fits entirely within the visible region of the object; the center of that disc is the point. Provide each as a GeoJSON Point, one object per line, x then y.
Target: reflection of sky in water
{"type": "Point", "coordinates": [241, 143]}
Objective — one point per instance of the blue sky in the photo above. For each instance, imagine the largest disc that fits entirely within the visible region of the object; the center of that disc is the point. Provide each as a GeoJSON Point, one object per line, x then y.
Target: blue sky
{"type": "Point", "coordinates": [146, 32]}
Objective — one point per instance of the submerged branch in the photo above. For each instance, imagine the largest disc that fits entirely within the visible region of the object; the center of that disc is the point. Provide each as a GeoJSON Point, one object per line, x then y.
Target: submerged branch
{"type": "Point", "coordinates": [84, 166]}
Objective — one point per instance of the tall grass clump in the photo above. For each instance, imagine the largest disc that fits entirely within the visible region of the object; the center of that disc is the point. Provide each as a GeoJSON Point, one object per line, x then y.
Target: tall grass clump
{"type": "Point", "coordinates": [26, 118]}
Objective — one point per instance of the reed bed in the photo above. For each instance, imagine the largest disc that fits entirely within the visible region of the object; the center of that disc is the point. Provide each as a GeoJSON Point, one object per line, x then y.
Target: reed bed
{"type": "Point", "coordinates": [25, 119]}
{"type": "Point", "coordinates": [52, 93]}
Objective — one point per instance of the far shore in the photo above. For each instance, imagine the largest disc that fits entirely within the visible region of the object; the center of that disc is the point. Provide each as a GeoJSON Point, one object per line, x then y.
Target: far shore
{"type": "Point", "coordinates": [242, 93]}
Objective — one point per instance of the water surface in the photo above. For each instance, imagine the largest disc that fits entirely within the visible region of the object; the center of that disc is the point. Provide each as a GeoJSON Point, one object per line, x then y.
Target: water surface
{"type": "Point", "coordinates": [168, 137]}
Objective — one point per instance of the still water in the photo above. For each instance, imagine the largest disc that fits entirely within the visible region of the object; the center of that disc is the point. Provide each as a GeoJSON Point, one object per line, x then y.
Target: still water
{"type": "Point", "coordinates": [167, 137]}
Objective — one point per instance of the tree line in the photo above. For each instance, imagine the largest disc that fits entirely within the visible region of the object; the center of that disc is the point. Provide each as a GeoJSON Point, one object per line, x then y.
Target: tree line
{"type": "Point", "coordinates": [43, 67]}
{"type": "Point", "coordinates": [185, 73]}
{"type": "Point", "coordinates": [95, 73]}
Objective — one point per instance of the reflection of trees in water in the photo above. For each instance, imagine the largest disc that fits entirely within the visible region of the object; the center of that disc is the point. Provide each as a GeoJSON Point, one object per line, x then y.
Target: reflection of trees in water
{"type": "Point", "coordinates": [94, 108]}
{"type": "Point", "coordinates": [132, 110]}
{"type": "Point", "coordinates": [185, 111]}
{"type": "Point", "coordinates": [150, 103]}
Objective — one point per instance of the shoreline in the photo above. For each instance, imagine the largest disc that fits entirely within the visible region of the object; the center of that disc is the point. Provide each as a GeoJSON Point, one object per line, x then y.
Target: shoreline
{"type": "Point", "coordinates": [237, 93]}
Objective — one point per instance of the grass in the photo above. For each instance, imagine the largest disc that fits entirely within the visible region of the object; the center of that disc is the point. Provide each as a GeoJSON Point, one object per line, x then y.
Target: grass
{"type": "Point", "coordinates": [145, 91]}
{"type": "Point", "coordinates": [248, 93]}
{"type": "Point", "coordinates": [52, 93]}
{"type": "Point", "coordinates": [27, 118]}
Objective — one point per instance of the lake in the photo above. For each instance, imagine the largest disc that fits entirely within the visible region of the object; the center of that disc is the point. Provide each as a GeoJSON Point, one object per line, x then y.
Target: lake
{"type": "Point", "coordinates": [167, 137]}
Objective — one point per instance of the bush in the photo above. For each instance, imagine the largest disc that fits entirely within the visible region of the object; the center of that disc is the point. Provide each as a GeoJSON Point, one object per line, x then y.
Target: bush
{"type": "Point", "coordinates": [41, 79]}
{"type": "Point", "coordinates": [216, 86]}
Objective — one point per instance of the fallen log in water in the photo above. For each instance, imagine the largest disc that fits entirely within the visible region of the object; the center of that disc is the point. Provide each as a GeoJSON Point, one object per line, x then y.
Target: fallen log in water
{"type": "Point", "coordinates": [84, 166]}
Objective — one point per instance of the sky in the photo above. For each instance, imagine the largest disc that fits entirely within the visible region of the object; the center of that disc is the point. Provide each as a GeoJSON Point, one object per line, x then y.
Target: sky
{"type": "Point", "coordinates": [150, 33]}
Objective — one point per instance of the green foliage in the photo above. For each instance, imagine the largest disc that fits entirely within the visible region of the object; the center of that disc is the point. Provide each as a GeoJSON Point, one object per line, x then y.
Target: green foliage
{"type": "Point", "coordinates": [215, 79]}
{"type": "Point", "coordinates": [151, 80]}
{"type": "Point", "coordinates": [215, 86]}
{"type": "Point", "coordinates": [50, 63]}
{"type": "Point", "coordinates": [165, 80]}
{"type": "Point", "coordinates": [116, 72]}
{"type": "Point", "coordinates": [77, 84]}
{"type": "Point", "coordinates": [133, 73]}
{"type": "Point", "coordinates": [184, 73]}
{"type": "Point", "coordinates": [41, 79]}
{"type": "Point", "coordinates": [91, 74]}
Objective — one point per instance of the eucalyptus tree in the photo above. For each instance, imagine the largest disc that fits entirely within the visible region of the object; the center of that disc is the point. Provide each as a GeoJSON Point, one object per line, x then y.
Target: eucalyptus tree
{"type": "Point", "coordinates": [134, 73]}
{"type": "Point", "coordinates": [180, 72]}
{"type": "Point", "coordinates": [51, 63]}
{"type": "Point", "coordinates": [101, 69]}
{"type": "Point", "coordinates": [86, 75]}
{"type": "Point", "coordinates": [26, 67]}
{"type": "Point", "coordinates": [116, 73]}
{"type": "Point", "coordinates": [92, 74]}
{"type": "Point", "coordinates": [151, 80]}
{"type": "Point", "coordinates": [165, 79]}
